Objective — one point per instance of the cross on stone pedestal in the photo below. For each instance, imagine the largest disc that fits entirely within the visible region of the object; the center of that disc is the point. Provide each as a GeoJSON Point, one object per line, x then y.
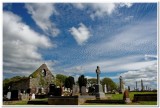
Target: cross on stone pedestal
{"type": "Point", "coordinates": [98, 88]}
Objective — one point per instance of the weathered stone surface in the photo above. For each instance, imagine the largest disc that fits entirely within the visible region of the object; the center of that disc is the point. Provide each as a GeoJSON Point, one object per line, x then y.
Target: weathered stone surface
{"type": "Point", "coordinates": [9, 95]}
{"type": "Point", "coordinates": [83, 90]}
{"type": "Point", "coordinates": [42, 77]}
{"type": "Point", "coordinates": [75, 90]}
{"type": "Point", "coordinates": [126, 96]}
{"type": "Point", "coordinates": [99, 92]}
{"type": "Point", "coordinates": [98, 87]}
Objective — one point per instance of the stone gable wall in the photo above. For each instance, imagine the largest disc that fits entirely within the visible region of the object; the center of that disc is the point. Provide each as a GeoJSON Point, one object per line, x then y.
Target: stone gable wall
{"type": "Point", "coordinates": [35, 82]}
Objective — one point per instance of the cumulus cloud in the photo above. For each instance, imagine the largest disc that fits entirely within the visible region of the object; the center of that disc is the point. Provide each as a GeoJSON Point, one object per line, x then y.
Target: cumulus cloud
{"type": "Point", "coordinates": [20, 46]}
{"type": "Point", "coordinates": [148, 74]}
{"type": "Point", "coordinates": [41, 13]}
{"type": "Point", "coordinates": [101, 9]}
{"type": "Point", "coordinates": [80, 34]}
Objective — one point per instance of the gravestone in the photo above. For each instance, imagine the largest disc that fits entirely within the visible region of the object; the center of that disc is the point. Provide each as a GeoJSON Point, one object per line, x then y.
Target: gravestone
{"type": "Point", "coordinates": [91, 90]}
{"type": "Point", "coordinates": [128, 88]}
{"type": "Point", "coordinates": [105, 89]}
{"type": "Point", "coordinates": [20, 95]}
{"type": "Point", "coordinates": [136, 86]}
{"type": "Point", "coordinates": [52, 88]}
{"type": "Point", "coordinates": [75, 90]}
{"type": "Point", "coordinates": [33, 96]}
{"type": "Point", "coordinates": [9, 95]}
{"type": "Point", "coordinates": [142, 87]}
{"type": "Point", "coordinates": [126, 96]}
{"type": "Point", "coordinates": [42, 90]}
{"type": "Point", "coordinates": [87, 90]}
{"type": "Point", "coordinates": [83, 90]}
{"type": "Point", "coordinates": [58, 92]}
{"type": "Point", "coordinates": [98, 86]}
{"type": "Point", "coordinates": [14, 94]}
{"type": "Point", "coordinates": [122, 86]}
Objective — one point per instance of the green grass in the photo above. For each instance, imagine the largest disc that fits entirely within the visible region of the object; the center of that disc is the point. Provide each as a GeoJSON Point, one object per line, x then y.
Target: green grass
{"type": "Point", "coordinates": [114, 97]}
{"type": "Point", "coordinates": [131, 95]}
{"type": "Point", "coordinates": [45, 99]}
{"type": "Point", "coordinates": [24, 102]}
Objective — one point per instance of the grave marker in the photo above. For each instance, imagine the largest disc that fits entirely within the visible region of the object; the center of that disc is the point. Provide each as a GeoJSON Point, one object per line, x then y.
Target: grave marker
{"type": "Point", "coordinates": [83, 90]}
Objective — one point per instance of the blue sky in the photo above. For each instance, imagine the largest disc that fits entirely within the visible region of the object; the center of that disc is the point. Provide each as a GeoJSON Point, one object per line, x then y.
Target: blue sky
{"type": "Point", "coordinates": [73, 39]}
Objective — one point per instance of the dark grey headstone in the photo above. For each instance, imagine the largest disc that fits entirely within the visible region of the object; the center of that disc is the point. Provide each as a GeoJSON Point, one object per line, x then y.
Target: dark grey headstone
{"type": "Point", "coordinates": [58, 92]}
{"type": "Point", "coordinates": [52, 89]}
{"type": "Point", "coordinates": [14, 94]}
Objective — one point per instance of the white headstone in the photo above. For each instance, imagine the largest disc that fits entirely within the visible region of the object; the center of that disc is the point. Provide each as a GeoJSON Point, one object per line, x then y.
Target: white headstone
{"type": "Point", "coordinates": [42, 90]}
{"type": "Point", "coordinates": [9, 95]}
{"type": "Point", "coordinates": [87, 90]}
{"type": "Point", "coordinates": [65, 89]}
{"type": "Point", "coordinates": [105, 89]}
{"type": "Point", "coordinates": [33, 96]}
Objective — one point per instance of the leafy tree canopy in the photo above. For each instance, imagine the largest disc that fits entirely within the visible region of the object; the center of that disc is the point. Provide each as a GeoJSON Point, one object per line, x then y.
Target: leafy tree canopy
{"type": "Point", "coordinates": [109, 83]}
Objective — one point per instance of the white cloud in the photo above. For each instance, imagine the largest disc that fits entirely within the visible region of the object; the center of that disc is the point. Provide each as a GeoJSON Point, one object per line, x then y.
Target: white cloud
{"type": "Point", "coordinates": [101, 9]}
{"type": "Point", "coordinates": [20, 46]}
{"type": "Point", "coordinates": [78, 5]}
{"type": "Point", "coordinates": [148, 57]}
{"type": "Point", "coordinates": [112, 65]}
{"type": "Point", "coordinates": [148, 74]}
{"type": "Point", "coordinates": [128, 5]}
{"type": "Point", "coordinates": [41, 13]}
{"type": "Point", "coordinates": [81, 34]}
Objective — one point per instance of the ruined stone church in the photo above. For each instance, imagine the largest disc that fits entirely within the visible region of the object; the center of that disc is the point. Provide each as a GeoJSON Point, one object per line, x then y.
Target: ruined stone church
{"type": "Point", "coordinates": [39, 79]}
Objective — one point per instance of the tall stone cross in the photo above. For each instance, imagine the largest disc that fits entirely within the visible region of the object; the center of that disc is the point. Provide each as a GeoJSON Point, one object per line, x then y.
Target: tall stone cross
{"type": "Point", "coordinates": [98, 72]}
{"type": "Point", "coordinates": [98, 87]}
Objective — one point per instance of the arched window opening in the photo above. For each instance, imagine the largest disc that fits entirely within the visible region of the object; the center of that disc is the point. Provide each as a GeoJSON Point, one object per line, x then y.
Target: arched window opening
{"type": "Point", "coordinates": [43, 72]}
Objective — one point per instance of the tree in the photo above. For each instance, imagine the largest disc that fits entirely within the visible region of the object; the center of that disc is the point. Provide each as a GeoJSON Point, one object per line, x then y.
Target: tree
{"type": "Point", "coordinates": [92, 81]}
{"type": "Point", "coordinates": [69, 82]}
{"type": "Point", "coordinates": [9, 81]}
{"type": "Point", "coordinates": [110, 84]}
{"type": "Point", "coordinates": [61, 79]}
{"type": "Point", "coordinates": [82, 81]}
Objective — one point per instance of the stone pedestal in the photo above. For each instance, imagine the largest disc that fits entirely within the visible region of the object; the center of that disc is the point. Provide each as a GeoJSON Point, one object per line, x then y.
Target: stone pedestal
{"type": "Point", "coordinates": [99, 91]}
{"type": "Point", "coordinates": [127, 100]}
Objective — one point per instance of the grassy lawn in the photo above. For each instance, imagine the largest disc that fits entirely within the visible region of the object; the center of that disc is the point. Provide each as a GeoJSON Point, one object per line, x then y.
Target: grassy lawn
{"type": "Point", "coordinates": [131, 95]}
{"type": "Point", "coordinates": [138, 103]}
{"type": "Point", "coordinates": [113, 97]}
{"type": "Point", "coordinates": [24, 102]}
